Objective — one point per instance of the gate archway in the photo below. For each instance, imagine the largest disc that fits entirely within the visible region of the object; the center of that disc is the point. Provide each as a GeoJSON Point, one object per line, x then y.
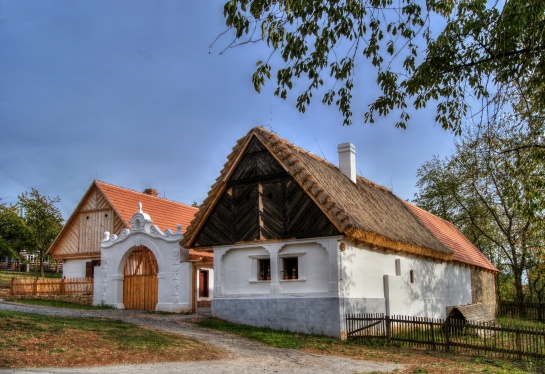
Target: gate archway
{"type": "Point", "coordinates": [140, 282]}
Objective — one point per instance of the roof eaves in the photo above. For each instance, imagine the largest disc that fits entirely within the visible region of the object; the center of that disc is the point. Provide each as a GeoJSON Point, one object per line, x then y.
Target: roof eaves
{"type": "Point", "coordinates": [381, 241]}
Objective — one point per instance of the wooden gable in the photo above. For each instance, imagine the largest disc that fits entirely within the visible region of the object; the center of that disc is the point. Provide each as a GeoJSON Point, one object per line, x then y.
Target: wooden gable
{"type": "Point", "coordinates": [262, 201]}
{"type": "Point", "coordinates": [85, 228]}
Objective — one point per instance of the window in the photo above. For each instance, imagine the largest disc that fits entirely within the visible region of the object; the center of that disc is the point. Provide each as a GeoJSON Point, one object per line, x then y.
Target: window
{"type": "Point", "coordinates": [90, 268]}
{"type": "Point", "coordinates": [290, 268]}
{"type": "Point", "coordinates": [411, 275]}
{"type": "Point", "coordinates": [264, 269]}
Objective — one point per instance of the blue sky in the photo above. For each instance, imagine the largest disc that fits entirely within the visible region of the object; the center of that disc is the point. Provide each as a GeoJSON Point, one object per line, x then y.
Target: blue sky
{"type": "Point", "coordinates": [131, 93]}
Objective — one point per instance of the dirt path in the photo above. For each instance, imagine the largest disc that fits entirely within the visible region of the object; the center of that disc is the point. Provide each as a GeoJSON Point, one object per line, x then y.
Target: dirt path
{"type": "Point", "coordinates": [243, 355]}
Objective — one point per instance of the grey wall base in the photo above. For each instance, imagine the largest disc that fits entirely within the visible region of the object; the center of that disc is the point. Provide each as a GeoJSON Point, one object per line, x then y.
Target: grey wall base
{"type": "Point", "coordinates": [305, 315]}
{"type": "Point", "coordinates": [320, 315]}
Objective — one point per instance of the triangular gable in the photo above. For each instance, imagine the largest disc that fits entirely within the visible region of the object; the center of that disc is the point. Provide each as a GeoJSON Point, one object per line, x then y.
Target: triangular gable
{"type": "Point", "coordinates": [365, 211]}
{"type": "Point", "coordinates": [81, 235]}
{"type": "Point", "coordinates": [261, 201]}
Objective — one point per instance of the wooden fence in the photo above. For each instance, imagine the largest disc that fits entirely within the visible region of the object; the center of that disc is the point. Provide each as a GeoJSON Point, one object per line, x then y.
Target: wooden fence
{"type": "Point", "coordinates": [528, 311]}
{"type": "Point", "coordinates": [449, 335]}
{"type": "Point", "coordinates": [52, 286]}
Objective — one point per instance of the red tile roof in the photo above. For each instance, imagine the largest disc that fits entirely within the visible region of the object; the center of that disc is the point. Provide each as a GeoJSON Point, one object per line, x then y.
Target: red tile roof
{"type": "Point", "coordinates": [464, 251]}
{"type": "Point", "coordinates": [166, 214]}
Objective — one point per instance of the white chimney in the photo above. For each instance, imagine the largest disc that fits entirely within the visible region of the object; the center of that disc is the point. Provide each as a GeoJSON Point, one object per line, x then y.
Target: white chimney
{"type": "Point", "coordinates": [347, 160]}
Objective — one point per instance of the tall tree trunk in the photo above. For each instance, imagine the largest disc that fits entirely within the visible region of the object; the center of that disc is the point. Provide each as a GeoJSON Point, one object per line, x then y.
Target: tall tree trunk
{"type": "Point", "coordinates": [517, 273]}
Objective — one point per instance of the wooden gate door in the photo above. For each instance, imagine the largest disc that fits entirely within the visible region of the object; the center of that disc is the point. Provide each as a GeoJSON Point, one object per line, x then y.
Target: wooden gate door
{"type": "Point", "coordinates": [140, 284]}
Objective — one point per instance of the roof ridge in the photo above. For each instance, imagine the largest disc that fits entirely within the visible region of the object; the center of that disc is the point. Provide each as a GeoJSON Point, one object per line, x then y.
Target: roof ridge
{"type": "Point", "coordinates": [143, 193]}
{"type": "Point", "coordinates": [318, 158]}
{"type": "Point", "coordinates": [296, 147]}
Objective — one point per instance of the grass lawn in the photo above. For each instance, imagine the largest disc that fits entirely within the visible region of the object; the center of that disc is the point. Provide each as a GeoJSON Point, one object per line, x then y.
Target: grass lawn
{"type": "Point", "coordinates": [38, 341]}
{"type": "Point", "coordinates": [58, 304]}
{"type": "Point", "coordinates": [416, 360]}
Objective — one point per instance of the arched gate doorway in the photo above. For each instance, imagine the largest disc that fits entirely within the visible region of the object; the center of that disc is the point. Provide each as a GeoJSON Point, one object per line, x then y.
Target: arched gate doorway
{"type": "Point", "coordinates": [140, 283]}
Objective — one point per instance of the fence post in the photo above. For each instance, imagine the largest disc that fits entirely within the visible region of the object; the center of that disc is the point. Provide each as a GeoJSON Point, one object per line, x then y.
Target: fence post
{"type": "Point", "coordinates": [519, 344]}
{"type": "Point", "coordinates": [432, 333]}
{"type": "Point", "coordinates": [447, 335]}
{"type": "Point", "coordinates": [35, 287]}
{"type": "Point", "coordinates": [63, 285]}
{"type": "Point", "coordinates": [388, 331]}
{"type": "Point", "coordinates": [11, 286]}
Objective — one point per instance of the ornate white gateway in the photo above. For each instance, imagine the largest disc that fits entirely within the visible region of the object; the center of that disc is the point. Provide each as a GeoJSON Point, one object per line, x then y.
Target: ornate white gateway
{"type": "Point", "coordinates": [144, 268]}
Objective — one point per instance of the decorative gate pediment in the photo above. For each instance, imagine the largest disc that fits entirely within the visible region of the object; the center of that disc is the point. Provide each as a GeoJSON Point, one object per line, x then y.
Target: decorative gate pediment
{"type": "Point", "coordinates": [173, 268]}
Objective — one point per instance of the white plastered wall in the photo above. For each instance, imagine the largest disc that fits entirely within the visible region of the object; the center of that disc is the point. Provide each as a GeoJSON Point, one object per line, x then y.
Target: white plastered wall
{"type": "Point", "coordinates": [236, 268]}
{"type": "Point", "coordinates": [74, 268]}
{"type": "Point", "coordinates": [309, 304]}
{"type": "Point", "coordinates": [374, 274]}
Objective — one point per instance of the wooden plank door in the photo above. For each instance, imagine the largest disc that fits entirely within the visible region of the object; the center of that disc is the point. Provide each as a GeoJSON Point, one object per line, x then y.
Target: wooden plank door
{"type": "Point", "coordinates": [140, 284]}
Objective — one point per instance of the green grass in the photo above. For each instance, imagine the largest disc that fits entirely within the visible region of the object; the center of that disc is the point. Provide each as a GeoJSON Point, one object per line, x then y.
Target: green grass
{"type": "Point", "coordinates": [120, 333]}
{"type": "Point", "coordinates": [275, 338]}
{"type": "Point", "coordinates": [417, 360]}
{"type": "Point", "coordinates": [515, 322]}
{"type": "Point", "coordinates": [58, 304]}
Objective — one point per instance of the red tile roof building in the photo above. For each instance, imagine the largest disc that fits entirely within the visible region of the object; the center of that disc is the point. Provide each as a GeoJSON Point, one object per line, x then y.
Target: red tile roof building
{"type": "Point", "coordinates": [106, 207]}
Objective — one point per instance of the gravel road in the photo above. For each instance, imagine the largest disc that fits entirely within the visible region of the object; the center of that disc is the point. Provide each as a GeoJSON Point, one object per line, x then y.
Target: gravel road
{"type": "Point", "coordinates": [244, 356]}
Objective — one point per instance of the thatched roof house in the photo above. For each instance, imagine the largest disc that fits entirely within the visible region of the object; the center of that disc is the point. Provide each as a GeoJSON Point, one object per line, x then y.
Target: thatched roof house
{"type": "Point", "coordinates": [291, 231]}
{"type": "Point", "coordinates": [364, 210]}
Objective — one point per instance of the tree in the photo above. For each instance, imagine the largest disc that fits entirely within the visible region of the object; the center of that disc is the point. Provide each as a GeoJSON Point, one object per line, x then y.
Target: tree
{"type": "Point", "coordinates": [480, 49]}
{"type": "Point", "coordinates": [43, 220]}
{"type": "Point", "coordinates": [492, 188]}
{"type": "Point", "coordinates": [13, 231]}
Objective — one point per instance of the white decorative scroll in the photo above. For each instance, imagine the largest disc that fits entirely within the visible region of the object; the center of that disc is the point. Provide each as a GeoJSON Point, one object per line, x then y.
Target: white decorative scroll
{"type": "Point", "coordinates": [104, 282]}
{"type": "Point", "coordinates": [175, 276]}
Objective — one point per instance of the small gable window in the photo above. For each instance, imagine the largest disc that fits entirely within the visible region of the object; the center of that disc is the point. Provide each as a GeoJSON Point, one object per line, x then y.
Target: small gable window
{"type": "Point", "coordinates": [411, 275]}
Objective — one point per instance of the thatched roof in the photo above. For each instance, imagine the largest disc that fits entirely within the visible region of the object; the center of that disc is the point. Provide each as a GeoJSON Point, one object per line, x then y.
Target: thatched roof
{"type": "Point", "coordinates": [364, 210]}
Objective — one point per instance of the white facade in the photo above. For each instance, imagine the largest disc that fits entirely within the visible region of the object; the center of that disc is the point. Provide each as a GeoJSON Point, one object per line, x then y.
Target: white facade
{"type": "Point", "coordinates": [74, 268]}
{"type": "Point", "coordinates": [174, 269]}
{"type": "Point", "coordinates": [334, 278]}
{"type": "Point", "coordinates": [376, 275]}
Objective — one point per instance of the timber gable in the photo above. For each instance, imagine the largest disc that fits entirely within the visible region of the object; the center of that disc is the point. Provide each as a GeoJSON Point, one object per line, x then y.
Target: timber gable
{"type": "Point", "coordinates": [85, 228]}
{"type": "Point", "coordinates": [262, 201]}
